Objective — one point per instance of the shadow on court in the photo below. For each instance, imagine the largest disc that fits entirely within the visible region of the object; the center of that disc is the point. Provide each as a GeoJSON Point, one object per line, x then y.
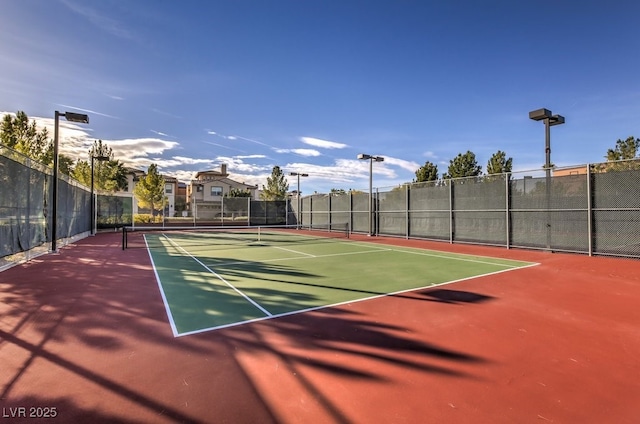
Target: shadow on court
{"type": "Point", "coordinates": [85, 332]}
{"type": "Point", "coordinates": [454, 296]}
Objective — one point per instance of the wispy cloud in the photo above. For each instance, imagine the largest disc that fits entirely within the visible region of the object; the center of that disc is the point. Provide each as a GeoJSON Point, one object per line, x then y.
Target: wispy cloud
{"type": "Point", "coordinates": [191, 161]}
{"type": "Point", "coordinates": [301, 152]}
{"type": "Point", "coordinates": [225, 147]}
{"type": "Point", "coordinates": [160, 133]}
{"type": "Point", "coordinates": [252, 157]}
{"type": "Point", "coordinates": [236, 164]}
{"type": "Point", "coordinates": [92, 112]}
{"type": "Point", "coordinates": [100, 20]}
{"type": "Point", "coordinates": [251, 140]}
{"type": "Point", "coordinates": [162, 112]}
{"type": "Point", "coordinates": [325, 144]}
{"type": "Point", "coordinates": [404, 164]}
{"type": "Point", "coordinates": [135, 147]}
{"type": "Point", "coordinates": [360, 168]}
{"type": "Point", "coordinates": [237, 137]}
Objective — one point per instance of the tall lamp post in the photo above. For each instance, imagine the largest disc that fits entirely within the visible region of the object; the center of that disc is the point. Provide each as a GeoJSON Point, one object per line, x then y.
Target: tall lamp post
{"type": "Point", "coordinates": [371, 159]}
{"type": "Point", "coordinates": [298, 174]}
{"type": "Point", "coordinates": [549, 120]}
{"type": "Point", "coordinates": [71, 117]}
{"type": "Point", "coordinates": [93, 199]}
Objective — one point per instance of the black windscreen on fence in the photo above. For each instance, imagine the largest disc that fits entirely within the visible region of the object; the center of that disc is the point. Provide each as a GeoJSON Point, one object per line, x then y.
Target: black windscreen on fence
{"type": "Point", "coordinates": [26, 207]}
{"type": "Point", "coordinates": [591, 209]}
{"type": "Point", "coordinates": [23, 203]}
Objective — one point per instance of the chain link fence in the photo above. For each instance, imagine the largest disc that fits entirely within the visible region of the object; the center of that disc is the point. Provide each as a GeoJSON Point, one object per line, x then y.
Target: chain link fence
{"type": "Point", "coordinates": [114, 210]}
{"type": "Point", "coordinates": [25, 208]}
{"type": "Point", "coordinates": [593, 209]}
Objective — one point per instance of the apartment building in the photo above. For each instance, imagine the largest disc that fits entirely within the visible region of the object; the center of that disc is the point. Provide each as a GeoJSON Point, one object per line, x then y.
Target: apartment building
{"type": "Point", "coordinates": [206, 191]}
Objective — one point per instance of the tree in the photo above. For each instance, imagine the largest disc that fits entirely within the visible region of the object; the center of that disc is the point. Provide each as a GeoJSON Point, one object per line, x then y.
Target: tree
{"type": "Point", "coordinates": [109, 175]}
{"type": "Point", "coordinates": [22, 135]}
{"type": "Point", "coordinates": [620, 157]}
{"type": "Point", "coordinates": [149, 190]}
{"type": "Point", "coordinates": [277, 186]}
{"type": "Point", "coordinates": [625, 149]}
{"type": "Point", "coordinates": [499, 164]}
{"type": "Point", "coordinates": [427, 172]}
{"type": "Point", "coordinates": [463, 165]}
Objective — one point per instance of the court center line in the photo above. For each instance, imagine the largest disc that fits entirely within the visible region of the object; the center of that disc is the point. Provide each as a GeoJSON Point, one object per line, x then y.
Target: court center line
{"type": "Point", "coordinates": [294, 251]}
{"type": "Point", "coordinates": [307, 257]}
{"type": "Point", "coordinates": [253, 302]}
{"type": "Point", "coordinates": [375, 249]}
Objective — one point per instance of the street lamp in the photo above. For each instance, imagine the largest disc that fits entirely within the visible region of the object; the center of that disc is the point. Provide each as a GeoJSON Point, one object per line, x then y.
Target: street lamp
{"type": "Point", "coordinates": [71, 117]}
{"type": "Point", "coordinates": [549, 121]}
{"type": "Point", "coordinates": [371, 159]}
{"type": "Point", "coordinates": [294, 174]}
{"type": "Point", "coordinates": [93, 200]}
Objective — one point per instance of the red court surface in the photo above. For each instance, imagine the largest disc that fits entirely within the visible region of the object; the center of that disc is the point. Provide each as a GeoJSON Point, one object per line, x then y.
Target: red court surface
{"type": "Point", "coordinates": [84, 336]}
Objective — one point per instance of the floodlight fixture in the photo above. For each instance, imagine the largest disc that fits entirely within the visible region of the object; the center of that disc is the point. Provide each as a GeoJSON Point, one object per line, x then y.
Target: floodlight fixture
{"type": "Point", "coordinates": [76, 117]}
{"type": "Point", "coordinates": [556, 120]}
{"type": "Point", "coordinates": [540, 114]}
{"type": "Point", "coordinates": [363, 156]}
{"type": "Point", "coordinates": [298, 174]}
{"type": "Point", "coordinates": [71, 117]}
{"type": "Point", "coordinates": [371, 159]}
{"type": "Point", "coordinates": [549, 120]}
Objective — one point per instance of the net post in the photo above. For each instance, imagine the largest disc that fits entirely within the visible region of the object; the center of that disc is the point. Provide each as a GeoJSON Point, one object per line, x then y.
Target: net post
{"type": "Point", "coordinates": [124, 237]}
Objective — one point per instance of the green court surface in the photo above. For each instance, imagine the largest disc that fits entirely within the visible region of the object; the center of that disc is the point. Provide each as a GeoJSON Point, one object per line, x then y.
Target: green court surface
{"type": "Point", "coordinates": [208, 283]}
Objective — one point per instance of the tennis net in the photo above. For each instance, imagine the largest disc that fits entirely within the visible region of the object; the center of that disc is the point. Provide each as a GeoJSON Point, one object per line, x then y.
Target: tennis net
{"type": "Point", "coordinates": [226, 236]}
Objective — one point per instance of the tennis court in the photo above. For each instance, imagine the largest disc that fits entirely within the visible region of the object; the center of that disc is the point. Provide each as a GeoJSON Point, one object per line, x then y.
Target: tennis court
{"type": "Point", "coordinates": [219, 277]}
{"type": "Point", "coordinates": [86, 332]}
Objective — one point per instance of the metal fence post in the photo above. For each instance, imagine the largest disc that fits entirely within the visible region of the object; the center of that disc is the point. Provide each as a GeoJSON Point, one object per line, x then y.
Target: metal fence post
{"type": "Point", "coordinates": [507, 179]}
{"type": "Point", "coordinates": [589, 212]}
{"type": "Point", "coordinates": [407, 207]}
{"type": "Point", "coordinates": [451, 236]}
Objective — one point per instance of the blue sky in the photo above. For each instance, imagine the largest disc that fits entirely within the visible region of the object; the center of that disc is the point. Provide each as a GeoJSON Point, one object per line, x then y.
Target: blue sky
{"type": "Point", "coordinates": [307, 85]}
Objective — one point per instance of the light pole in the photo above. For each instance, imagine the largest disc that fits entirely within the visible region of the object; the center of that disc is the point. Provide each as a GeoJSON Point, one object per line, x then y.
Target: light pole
{"type": "Point", "coordinates": [371, 159]}
{"type": "Point", "coordinates": [298, 174]}
{"type": "Point", "coordinates": [549, 120]}
{"type": "Point", "coordinates": [93, 200]}
{"type": "Point", "coordinates": [71, 117]}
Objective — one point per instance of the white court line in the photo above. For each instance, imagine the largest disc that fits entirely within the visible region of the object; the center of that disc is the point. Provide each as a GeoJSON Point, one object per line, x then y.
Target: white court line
{"type": "Point", "coordinates": [164, 297]}
{"type": "Point", "coordinates": [347, 302]}
{"type": "Point", "coordinates": [373, 249]}
{"type": "Point", "coordinates": [293, 258]}
{"type": "Point", "coordinates": [253, 302]}
{"type": "Point", "coordinates": [458, 257]}
{"type": "Point", "coordinates": [376, 249]}
{"type": "Point", "coordinates": [293, 251]}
